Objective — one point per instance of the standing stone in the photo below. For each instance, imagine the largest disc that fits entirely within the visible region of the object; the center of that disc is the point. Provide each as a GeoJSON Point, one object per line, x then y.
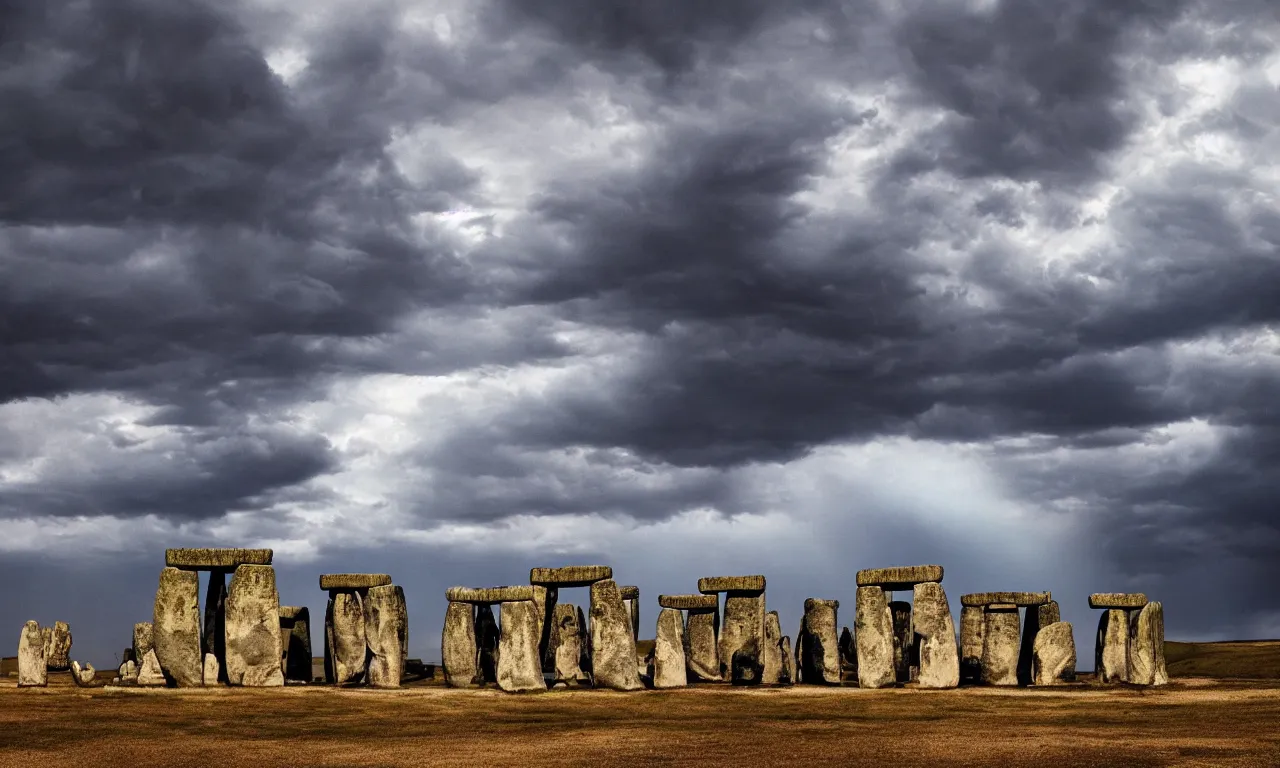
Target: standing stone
{"type": "Point", "coordinates": [128, 671]}
{"type": "Point", "coordinates": [668, 650]}
{"type": "Point", "coordinates": [214, 639]}
{"type": "Point", "coordinates": [519, 666]}
{"type": "Point", "coordinates": [584, 647]}
{"type": "Point", "coordinates": [212, 669]}
{"type": "Point", "coordinates": [848, 656]}
{"type": "Point", "coordinates": [1054, 655]}
{"type": "Point", "coordinates": [1049, 613]}
{"type": "Point", "coordinates": [1026, 652]}
{"type": "Point", "coordinates": [631, 598]}
{"type": "Point", "coordinates": [771, 652]}
{"type": "Point", "coordinates": [901, 612]}
{"type": "Point", "coordinates": [613, 645]}
{"type": "Point", "coordinates": [544, 601]}
{"type": "Point", "coordinates": [820, 651]}
{"type": "Point", "coordinates": [1161, 673]}
{"type": "Point", "coordinates": [347, 627]}
{"type": "Point", "coordinates": [935, 637]}
{"type": "Point", "coordinates": [57, 650]}
{"type": "Point", "coordinates": [1111, 653]}
{"type": "Point", "coordinates": [177, 627]}
{"type": "Point", "coordinates": [297, 642]}
{"type": "Point", "coordinates": [143, 640]}
{"type": "Point", "coordinates": [788, 676]}
{"type": "Point", "coordinates": [1000, 644]}
{"type": "Point", "coordinates": [972, 623]}
{"type": "Point", "coordinates": [403, 607]}
{"type": "Point", "coordinates": [486, 644]}
{"type": "Point", "coordinates": [253, 628]}
{"type": "Point", "coordinates": [151, 674]}
{"type": "Point", "coordinates": [384, 619]}
{"type": "Point", "coordinates": [330, 671]}
{"type": "Point", "coordinates": [1146, 645]}
{"type": "Point", "coordinates": [82, 675]}
{"type": "Point", "coordinates": [568, 634]}
{"type": "Point", "coordinates": [873, 636]}
{"type": "Point", "coordinates": [702, 647]}
{"type": "Point", "coordinates": [458, 651]}
{"type": "Point", "coordinates": [33, 667]}
{"type": "Point", "coordinates": [742, 637]}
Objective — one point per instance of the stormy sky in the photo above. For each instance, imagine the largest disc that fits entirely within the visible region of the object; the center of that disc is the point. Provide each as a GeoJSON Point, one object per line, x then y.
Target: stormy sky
{"type": "Point", "coordinates": [453, 288]}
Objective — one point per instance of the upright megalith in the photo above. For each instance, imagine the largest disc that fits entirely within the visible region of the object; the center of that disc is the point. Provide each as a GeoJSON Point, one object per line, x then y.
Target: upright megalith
{"type": "Point", "coordinates": [1054, 655]}
{"type": "Point", "coordinates": [820, 645]}
{"type": "Point", "coordinates": [972, 624]}
{"type": "Point", "coordinates": [900, 611]}
{"type": "Point", "coordinates": [613, 645]}
{"type": "Point", "coordinates": [701, 634]}
{"type": "Point", "coordinates": [848, 656]}
{"type": "Point", "coordinates": [213, 640]}
{"type": "Point", "coordinates": [934, 637]}
{"type": "Point", "coordinates": [295, 621]}
{"type": "Point", "coordinates": [487, 636]}
{"type": "Point", "coordinates": [1049, 613]}
{"type": "Point", "coordinates": [176, 627]}
{"type": "Point", "coordinates": [742, 627]}
{"type": "Point", "coordinates": [669, 669]}
{"type": "Point", "coordinates": [458, 650]}
{"type": "Point", "coordinates": [33, 667]}
{"type": "Point", "coordinates": [569, 644]}
{"type": "Point", "coordinates": [1111, 652]}
{"type": "Point", "coordinates": [143, 640]}
{"type": "Point", "coordinates": [771, 666]}
{"type": "Point", "coordinates": [873, 636]}
{"type": "Point", "coordinates": [631, 598]}
{"type": "Point", "coordinates": [57, 649]}
{"type": "Point", "coordinates": [544, 603]}
{"type": "Point", "coordinates": [384, 631]}
{"type": "Point", "coordinates": [253, 628]}
{"type": "Point", "coordinates": [788, 675]}
{"type": "Point", "coordinates": [1146, 646]}
{"type": "Point", "coordinates": [346, 629]}
{"type": "Point", "coordinates": [519, 666]}
{"type": "Point", "coordinates": [212, 669]}
{"type": "Point", "coordinates": [1000, 644]}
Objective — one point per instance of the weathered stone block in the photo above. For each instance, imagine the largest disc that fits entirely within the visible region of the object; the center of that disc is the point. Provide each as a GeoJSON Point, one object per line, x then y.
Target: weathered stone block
{"type": "Point", "coordinates": [1111, 652]}
{"type": "Point", "coordinates": [1000, 644]}
{"type": "Point", "coordinates": [176, 628]}
{"type": "Point", "coordinates": [143, 640]}
{"type": "Point", "coordinates": [334, 581]}
{"type": "Point", "coordinates": [297, 642]}
{"type": "Point", "coordinates": [631, 598]}
{"type": "Point", "coordinates": [771, 671]}
{"type": "Point", "coordinates": [570, 575]}
{"type": "Point", "coordinates": [384, 631]}
{"type": "Point", "coordinates": [226, 559]}
{"type": "Point", "coordinates": [487, 637]}
{"type": "Point", "coordinates": [1117, 600]}
{"type": "Point", "coordinates": [742, 637]}
{"type": "Point", "coordinates": [489, 595]}
{"type": "Point", "coordinates": [873, 636]}
{"type": "Point", "coordinates": [83, 674]}
{"type": "Point", "coordinates": [848, 656]}
{"type": "Point", "coordinates": [1146, 646]}
{"type": "Point", "coordinates": [346, 627]}
{"type": "Point", "coordinates": [212, 669]}
{"type": "Point", "coordinates": [935, 637]}
{"type": "Point", "coordinates": [972, 624]}
{"type": "Point", "coordinates": [151, 674]}
{"type": "Point", "coordinates": [213, 639]}
{"type": "Point", "coordinates": [899, 578]}
{"type": "Point", "coordinates": [1054, 655]}
{"type": "Point", "coordinates": [690, 602]}
{"type": "Point", "coordinates": [544, 603]}
{"type": "Point", "coordinates": [900, 612]}
{"type": "Point", "coordinates": [569, 643]}
{"type": "Point", "coordinates": [1011, 598]}
{"type": "Point", "coordinates": [57, 649]}
{"type": "Point", "coordinates": [820, 648]}
{"type": "Point", "coordinates": [458, 650]}
{"type": "Point", "coordinates": [253, 628]}
{"type": "Point", "coordinates": [33, 668]}
{"type": "Point", "coordinates": [613, 645]}
{"type": "Point", "coordinates": [668, 650]}
{"type": "Point", "coordinates": [788, 676]}
{"type": "Point", "coordinates": [702, 646]}
{"type": "Point", "coordinates": [713, 584]}
{"type": "Point", "coordinates": [1049, 613]}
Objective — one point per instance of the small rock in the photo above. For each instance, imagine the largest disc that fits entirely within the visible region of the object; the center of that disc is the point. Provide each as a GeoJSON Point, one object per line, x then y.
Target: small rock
{"type": "Point", "coordinates": [83, 674]}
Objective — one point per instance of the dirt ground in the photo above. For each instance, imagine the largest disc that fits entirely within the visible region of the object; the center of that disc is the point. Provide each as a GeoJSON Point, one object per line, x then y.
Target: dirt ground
{"type": "Point", "coordinates": [1191, 722]}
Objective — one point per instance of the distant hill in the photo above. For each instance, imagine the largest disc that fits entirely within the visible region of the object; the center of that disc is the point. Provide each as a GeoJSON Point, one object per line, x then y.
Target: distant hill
{"type": "Point", "coordinates": [1252, 659]}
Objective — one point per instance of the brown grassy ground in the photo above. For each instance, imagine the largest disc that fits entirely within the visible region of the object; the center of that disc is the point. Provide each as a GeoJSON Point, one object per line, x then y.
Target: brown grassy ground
{"type": "Point", "coordinates": [1191, 722]}
{"type": "Point", "coordinates": [1244, 659]}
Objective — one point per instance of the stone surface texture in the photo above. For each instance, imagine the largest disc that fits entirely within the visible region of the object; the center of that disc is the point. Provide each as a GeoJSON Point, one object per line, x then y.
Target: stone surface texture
{"type": "Point", "coordinates": [1000, 645]}
{"type": "Point", "coordinates": [458, 650]}
{"type": "Point", "coordinates": [613, 645]}
{"type": "Point", "coordinates": [150, 672]}
{"type": "Point", "coordinates": [702, 647]}
{"type": "Point", "coordinates": [1111, 651]}
{"type": "Point", "coordinates": [820, 647]}
{"type": "Point", "coordinates": [57, 649]}
{"type": "Point", "coordinates": [487, 637]}
{"type": "Point", "coordinates": [873, 637]}
{"type": "Point", "coordinates": [771, 664]}
{"type": "Point", "coordinates": [297, 651]}
{"type": "Point", "coordinates": [1117, 600]}
{"type": "Point", "coordinates": [848, 656]}
{"type": "Point", "coordinates": [384, 620]}
{"type": "Point", "coordinates": [82, 674]}
{"type": "Point", "coordinates": [568, 644]}
{"type": "Point", "coordinates": [898, 578]}
{"type": "Point", "coordinates": [1054, 655]}
{"type": "Point", "coordinates": [346, 628]}
{"type": "Point", "coordinates": [176, 627]}
{"type": "Point", "coordinates": [690, 602]}
{"type": "Point", "coordinates": [1049, 613]}
{"type": "Point", "coordinates": [253, 628]}
{"type": "Point", "coordinates": [489, 595]}
{"type": "Point", "coordinates": [788, 675]}
{"type": "Point", "coordinates": [143, 640]}
{"type": "Point", "coordinates": [33, 669]}
{"type": "Point", "coordinates": [742, 637]}
{"type": "Point", "coordinates": [714, 584]}
{"type": "Point", "coordinates": [214, 631]}
{"type": "Point", "coordinates": [544, 603]}
{"type": "Point", "coordinates": [669, 669]}
{"type": "Point", "coordinates": [1013, 598]}
{"type": "Point", "coordinates": [226, 559]}
{"type": "Point", "coordinates": [935, 637]}
{"type": "Point", "coordinates": [1146, 646]}
{"type": "Point", "coordinates": [900, 612]}
{"type": "Point", "coordinates": [212, 669]}
{"type": "Point", "coordinates": [332, 581]}
{"type": "Point", "coordinates": [570, 575]}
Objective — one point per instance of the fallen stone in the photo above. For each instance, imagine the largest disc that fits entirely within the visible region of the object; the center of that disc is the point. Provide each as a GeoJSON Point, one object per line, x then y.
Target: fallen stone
{"type": "Point", "coordinates": [176, 628]}
{"type": "Point", "coordinates": [215, 558]}
{"type": "Point", "coordinates": [489, 595]}
{"type": "Point", "coordinates": [900, 611]}
{"type": "Point", "coordinates": [143, 640]}
{"type": "Point", "coordinates": [900, 578]}
{"type": "Point", "coordinates": [487, 637]}
{"type": "Point", "coordinates": [544, 603]}
{"type": "Point", "coordinates": [83, 674]}
{"type": "Point", "coordinates": [33, 668]}
{"type": "Point", "coordinates": [57, 651]}
{"type": "Point", "coordinates": [1117, 600]}
{"type": "Point", "coordinates": [150, 673]}
{"type": "Point", "coordinates": [1000, 644]}
{"type": "Point", "coordinates": [347, 628]}
{"type": "Point", "coordinates": [820, 649]}
{"type": "Point", "coordinates": [668, 650]}
{"type": "Point", "coordinates": [742, 637]}
{"type": "Point", "coordinates": [788, 676]}
{"type": "Point", "coordinates": [613, 645]}
{"type": "Point", "coordinates": [714, 584]}
{"type": "Point", "coordinates": [384, 630]}
{"type": "Point", "coordinates": [214, 637]}
{"type": "Point", "coordinates": [971, 627]}
{"type": "Point", "coordinates": [1054, 655]}
{"type": "Point", "coordinates": [568, 643]}
{"type": "Point", "coordinates": [297, 648]}
{"type": "Point", "coordinates": [458, 650]}
{"type": "Point", "coordinates": [873, 637]}
{"type": "Point", "coordinates": [253, 628]}
{"type": "Point", "coordinates": [1111, 652]}
{"type": "Point", "coordinates": [1146, 643]}
{"type": "Point", "coordinates": [570, 575]}
{"type": "Point", "coordinates": [771, 650]}
{"type": "Point", "coordinates": [702, 648]}
{"type": "Point", "coordinates": [336, 581]}
{"type": "Point", "coordinates": [935, 637]}
{"type": "Point", "coordinates": [212, 669]}
{"type": "Point", "coordinates": [848, 656]}
{"type": "Point", "coordinates": [980, 599]}
{"type": "Point", "coordinates": [690, 602]}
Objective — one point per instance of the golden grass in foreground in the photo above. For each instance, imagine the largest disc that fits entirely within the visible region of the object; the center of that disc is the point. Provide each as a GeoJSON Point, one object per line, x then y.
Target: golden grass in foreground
{"type": "Point", "coordinates": [1192, 722]}
{"type": "Point", "coordinates": [1250, 659]}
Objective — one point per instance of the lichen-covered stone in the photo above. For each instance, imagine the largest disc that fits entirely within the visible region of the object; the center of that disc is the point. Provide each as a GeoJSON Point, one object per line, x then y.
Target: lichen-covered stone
{"type": "Point", "coordinates": [570, 575]}
{"type": "Point", "coordinates": [226, 559]}
{"type": "Point", "coordinates": [33, 668]}
{"type": "Point", "coordinates": [848, 656]}
{"type": "Point", "coordinates": [820, 647]}
{"type": "Point", "coordinates": [631, 598]}
{"type": "Point", "coordinates": [690, 602]}
{"type": "Point", "coordinates": [128, 671]}
{"type": "Point", "coordinates": [771, 650]}
{"type": "Point", "coordinates": [403, 606]}
{"type": "Point", "coordinates": [57, 649]}
{"type": "Point", "coordinates": [151, 674]}
{"type": "Point", "coordinates": [212, 669]}
{"type": "Point", "coordinates": [702, 646]}
{"type": "Point", "coordinates": [788, 675]}
{"type": "Point", "coordinates": [1000, 644]}
{"type": "Point", "coordinates": [1146, 646]}
{"type": "Point", "coordinates": [1161, 674]}
{"type": "Point", "coordinates": [253, 628]}
{"type": "Point", "coordinates": [935, 637]}
{"type": "Point", "coordinates": [1049, 613]}
{"type": "Point", "coordinates": [613, 645]}
{"type": "Point", "coordinates": [143, 640]}
{"type": "Point", "coordinates": [898, 578]}
{"type": "Point", "coordinates": [297, 649]}
{"type": "Point", "coordinates": [873, 637]}
{"type": "Point", "coordinates": [981, 599]}
{"type": "Point", "coordinates": [1111, 652]}
{"type": "Point", "coordinates": [544, 602]}
{"type": "Point", "coordinates": [1054, 655]}
{"type": "Point", "coordinates": [669, 668]}
{"type": "Point", "coordinates": [458, 650]}
{"type": "Point", "coordinates": [83, 674]}
{"type": "Point", "coordinates": [742, 637]}
{"type": "Point", "coordinates": [1117, 600]}
{"type": "Point", "coordinates": [213, 640]}
{"type": "Point", "coordinates": [347, 636]}
{"type": "Point", "coordinates": [629, 592]}
{"type": "Point", "coordinates": [487, 636]}
{"type": "Point", "coordinates": [972, 624]}
{"type": "Point", "coordinates": [714, 584]}
{"type": "Point", "coordinates": [489, 595]}
{"type": "Point", "coordinates": [569, 643]}
{"type": "Point", "coordinates": [900, 611]}
{"type": "Point", "coordinates": [176, 628]}
{"type": "Point", "coordinates": [384, 619]}
{"type": "Point", "coordinates": [361, 581]}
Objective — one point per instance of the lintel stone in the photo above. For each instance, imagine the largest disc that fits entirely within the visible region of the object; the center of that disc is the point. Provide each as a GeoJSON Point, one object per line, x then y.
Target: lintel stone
{"type": "Point", "coordinates": [630, 592]}
{"type": "Point", "coordinates": [978, 599]}
{"type": "Point", "coordinates": [713, 584]}
{"type": "Point", "coordinates": [1002, 606]}
{"type": "Point", "coordinates": [690, 602]}
{"type": "Point", "coordinates": [1117, 600]}
{"type": "Point", "coordinates": [570, 575]}
{"type": "Point", "coordinates": [900, 578]}
{"type": "Point", "coordinates": [215, 559]}
{"type": "Point", "coordinates": [489, 595]}
{"type": "Point", "coordinates": [329, 581]}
